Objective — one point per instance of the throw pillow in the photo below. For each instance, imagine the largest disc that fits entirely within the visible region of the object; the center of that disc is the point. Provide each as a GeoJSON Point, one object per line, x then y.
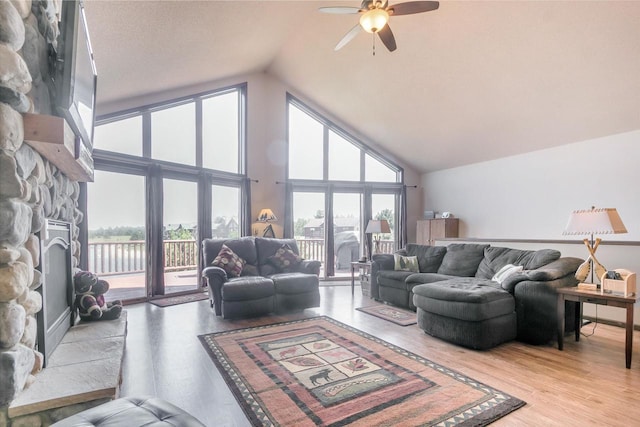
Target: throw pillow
{"type": "Point", "coordinates": [505, 272]}
{"type": "Point", "coordinates": [285, 259]}
{"type": "Point", "coordinates": [406, 263]}
{"type": "Point", "coordinates": [229, 261]}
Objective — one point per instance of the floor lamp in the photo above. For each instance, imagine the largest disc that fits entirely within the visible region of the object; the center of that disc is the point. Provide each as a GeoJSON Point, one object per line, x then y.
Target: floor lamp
{"type": "Point", "coordinates": [593, 221]}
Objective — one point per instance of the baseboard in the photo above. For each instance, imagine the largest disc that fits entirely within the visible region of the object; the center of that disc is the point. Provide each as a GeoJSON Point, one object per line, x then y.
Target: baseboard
{"type": "Point", "coordinates": [610, 322]}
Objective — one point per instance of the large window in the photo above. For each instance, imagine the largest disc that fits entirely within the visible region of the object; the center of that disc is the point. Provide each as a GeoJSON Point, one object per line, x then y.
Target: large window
{"type": "Point", "coordinates": [221, 132]}
{"type": "Point", "coordinates": [305, 145]}
{"type": "Point", "coordinates": [184, 162]}
{"type": "Point", "coordinates": [173, 134]}
{"type": "Point", "coordinates": [122, 136]}
{"type": "Point", "coordinates": [340, 183]}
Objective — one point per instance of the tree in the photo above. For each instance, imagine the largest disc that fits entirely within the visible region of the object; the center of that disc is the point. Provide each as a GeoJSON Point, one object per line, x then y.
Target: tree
{"type": "Point", "coordinates": [137, 234]}
{"type": "Point", "coordinates": [319, 214]}
{"type": "Point", "coordinates": [298, 227]}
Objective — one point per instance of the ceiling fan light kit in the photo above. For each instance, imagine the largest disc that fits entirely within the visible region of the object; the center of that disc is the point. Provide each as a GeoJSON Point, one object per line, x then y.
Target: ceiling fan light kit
{"type": "Point", "coordinates": [375, 18]}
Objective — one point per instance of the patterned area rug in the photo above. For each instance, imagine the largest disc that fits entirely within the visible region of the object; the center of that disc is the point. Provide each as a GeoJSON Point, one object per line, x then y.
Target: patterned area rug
{"type": "Point", "coordinates": [166, 302]}
{"type": "Point", "coordinates": [392, 314]}
{"type": "Point", "coordinates": [319, 371]}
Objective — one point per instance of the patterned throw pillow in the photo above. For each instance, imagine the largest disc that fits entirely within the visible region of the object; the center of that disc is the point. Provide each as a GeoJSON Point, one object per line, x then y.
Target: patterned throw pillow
{"type": "Point", "coordinates": [406, 263]}
{"type": "Point", "coordinates": [229, 261]}
{"type": "Point", "coordinates": [285, 259]}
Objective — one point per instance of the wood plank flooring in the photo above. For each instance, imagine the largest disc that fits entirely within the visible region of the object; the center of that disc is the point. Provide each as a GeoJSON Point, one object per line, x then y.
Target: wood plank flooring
{"type": "Point", "coordinates": [584, 385]}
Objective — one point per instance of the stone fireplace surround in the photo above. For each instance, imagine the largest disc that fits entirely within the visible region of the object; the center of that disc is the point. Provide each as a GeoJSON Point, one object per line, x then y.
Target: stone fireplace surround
{"type": "Point", "coordinates": [31, 188]}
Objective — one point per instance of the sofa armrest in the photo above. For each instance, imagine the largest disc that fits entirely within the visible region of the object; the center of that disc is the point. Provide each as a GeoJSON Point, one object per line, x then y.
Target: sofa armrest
{"type": "Point", "coordinates": [536, 309]}
{"type": "Point", "coordinates": [383, 261]}
{"type": "Point", "coordinates": [310, 267]}
{"type": "Point", "coordinates": [379, 262]}
{"type": "Point", "coordinates": [557, 270]}
{"type": "Point", "coordinates": [216, 277]}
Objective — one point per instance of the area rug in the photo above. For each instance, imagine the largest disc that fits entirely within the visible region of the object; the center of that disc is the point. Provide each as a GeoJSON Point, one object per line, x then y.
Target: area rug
{"type": "Point", "coordinates": [319, 371]}
{"type": "Point", "coordinates": [392, 314]}
{"type": "Point", "coordinates": [181, 299]}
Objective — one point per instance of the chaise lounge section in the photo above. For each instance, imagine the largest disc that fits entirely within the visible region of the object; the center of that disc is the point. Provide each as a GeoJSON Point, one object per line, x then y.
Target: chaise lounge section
{"type": "Point", "coordinates": [254, 276]}
{"type": "Point", "coordinates": [477, 295]}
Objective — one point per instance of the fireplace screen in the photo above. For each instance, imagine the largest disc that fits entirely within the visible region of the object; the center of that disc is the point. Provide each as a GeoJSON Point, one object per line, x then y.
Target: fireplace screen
{"type": "Point", "coordinates": [57, 288]}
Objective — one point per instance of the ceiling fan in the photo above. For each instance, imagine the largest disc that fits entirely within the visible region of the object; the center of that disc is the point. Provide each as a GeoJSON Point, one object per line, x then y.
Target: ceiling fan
{"type": "Point", "coordinates": [375, 18]}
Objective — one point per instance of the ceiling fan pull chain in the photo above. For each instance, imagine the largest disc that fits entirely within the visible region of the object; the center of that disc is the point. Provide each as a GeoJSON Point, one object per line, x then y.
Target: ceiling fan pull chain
{"type": "Point", "coordinates": [374, 43]}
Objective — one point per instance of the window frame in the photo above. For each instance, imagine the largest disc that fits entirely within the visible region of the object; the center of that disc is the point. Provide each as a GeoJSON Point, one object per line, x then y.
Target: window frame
{"type": "Point", "coordinates": [116, 162]}
{"type": "Point", "coordinates": [330, 187]}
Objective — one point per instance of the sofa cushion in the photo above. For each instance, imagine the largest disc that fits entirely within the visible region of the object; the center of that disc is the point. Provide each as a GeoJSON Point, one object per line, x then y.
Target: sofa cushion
{"type": "Point", "coordinates": [294, 283]}
{"type": "Point", "coordinates": [229, 261]}
{"type": "Point", "coordinates": [266, 247]}
{"type": "Point", "coordinates": [497, 257]}
{"type": "Point", "coordinates": [285, 260]}
{"type": "Point", "coordinates": [405, 263]}
{"type": "Point", "coordinates": [247, 288]}
{"type": "Point", "coordinates": [464, 298]}
{"type": "Point", "coordinates": [393, 278]}
{"type": "Point", "coordinates": [419, 278]}
{"type": "Point", "coordinates": [429, 257]}
{"type": "Point", "coordinates": [244, 247]}
{"type": "Point", "coordinates": [462, 259]}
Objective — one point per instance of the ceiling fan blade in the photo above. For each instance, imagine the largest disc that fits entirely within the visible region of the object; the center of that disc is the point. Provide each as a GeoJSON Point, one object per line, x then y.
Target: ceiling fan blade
{"type": "Point", "coordinates": [341, 10]}
{"type": "Point", "coordinates": [411, 7]}
{"type": "Point", "coordinates": [387, 38]}
{"type": "Point", "coordinates": [348, 37]}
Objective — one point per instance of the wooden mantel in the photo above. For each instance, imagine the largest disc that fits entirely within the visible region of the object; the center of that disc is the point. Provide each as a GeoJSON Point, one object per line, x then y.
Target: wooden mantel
{"type": "Point", "coordinates": [52, 137]}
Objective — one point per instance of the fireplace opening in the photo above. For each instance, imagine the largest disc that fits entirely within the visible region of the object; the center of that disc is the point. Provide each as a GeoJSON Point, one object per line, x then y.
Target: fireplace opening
{"type": "Point", "coordinates": [56, 316]}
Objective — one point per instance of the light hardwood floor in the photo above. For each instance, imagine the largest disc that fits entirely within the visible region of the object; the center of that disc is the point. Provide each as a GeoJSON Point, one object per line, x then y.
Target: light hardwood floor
{"type": "Point", "coordinates": [586, 384]}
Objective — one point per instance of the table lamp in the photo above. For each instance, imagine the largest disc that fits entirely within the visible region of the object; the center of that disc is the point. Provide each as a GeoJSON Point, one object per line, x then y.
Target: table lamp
{"type": "Point", "coordinates": [267, 215]}
{"type": "Point", "coordinates": [593, 221]}
{"type": "Point", "coordinates": [375, 227]}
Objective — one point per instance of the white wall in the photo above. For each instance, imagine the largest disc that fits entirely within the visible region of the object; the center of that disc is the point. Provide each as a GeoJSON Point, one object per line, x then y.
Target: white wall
{"type": "Point", "coordinates": [531, 196]}
{"type": "Point", "coordinates": [266, 140]}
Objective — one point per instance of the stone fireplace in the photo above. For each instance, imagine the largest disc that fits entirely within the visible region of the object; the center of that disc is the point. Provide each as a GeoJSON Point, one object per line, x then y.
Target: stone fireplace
{"type": "Point", "coordinates": [32, 191]}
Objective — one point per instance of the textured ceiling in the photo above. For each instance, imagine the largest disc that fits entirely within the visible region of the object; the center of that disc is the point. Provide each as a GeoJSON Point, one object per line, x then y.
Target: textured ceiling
{"type": "Point", "coordinates": [469, 82]}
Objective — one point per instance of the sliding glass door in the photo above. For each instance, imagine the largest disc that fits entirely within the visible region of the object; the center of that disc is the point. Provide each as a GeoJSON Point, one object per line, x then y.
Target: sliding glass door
{"type": "Point", "coordinates": [116, 233]}
{"type": "Point", "coordinates": [346, 231]}
{"type": "Point", "coordinates": [309, 225]}
{"type": "Point", "coordinates": [180, 219]}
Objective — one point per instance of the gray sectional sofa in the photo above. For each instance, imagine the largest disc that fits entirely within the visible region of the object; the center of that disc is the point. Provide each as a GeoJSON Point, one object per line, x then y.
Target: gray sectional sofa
{"type": "Point", "coordinates": [260, 286]}
{"type": "Point", "coordinates": [457, 300]}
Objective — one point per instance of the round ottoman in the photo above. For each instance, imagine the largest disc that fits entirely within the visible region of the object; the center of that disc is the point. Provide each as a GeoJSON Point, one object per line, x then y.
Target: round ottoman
{"type": "Point", "coordinates": [468, 311]}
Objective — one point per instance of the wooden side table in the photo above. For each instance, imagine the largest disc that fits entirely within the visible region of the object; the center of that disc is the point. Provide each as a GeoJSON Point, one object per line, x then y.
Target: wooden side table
{"type": "Point", "coordinates": [357, 265]}
{"type": "Point", "coordinates": [580, 296]}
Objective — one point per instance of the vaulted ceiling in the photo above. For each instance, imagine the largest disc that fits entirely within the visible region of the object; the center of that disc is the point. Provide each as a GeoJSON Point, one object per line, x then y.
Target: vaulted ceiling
{"type": "Point", "coordinates": [469, 82]}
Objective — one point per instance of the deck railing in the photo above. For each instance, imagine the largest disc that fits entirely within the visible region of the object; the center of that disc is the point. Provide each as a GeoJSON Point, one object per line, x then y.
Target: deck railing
{"type": "Point", "coordinates": [130, 256]}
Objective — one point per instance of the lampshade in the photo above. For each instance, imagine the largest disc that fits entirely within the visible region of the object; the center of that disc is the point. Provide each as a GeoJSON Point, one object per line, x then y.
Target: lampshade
{"type": "Point", "coordinates": [378, 226]}
{"type": "Point", "coordinates": [266, 215]}
{"type": "Point", "coordinates": [595, 221]}
{"type": "Point", "coordinates": [374, 20]}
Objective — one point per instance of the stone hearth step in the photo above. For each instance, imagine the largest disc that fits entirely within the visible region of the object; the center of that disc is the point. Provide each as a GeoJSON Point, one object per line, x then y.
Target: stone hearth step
{"type": "Point", "coordinates": [85, 367]}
